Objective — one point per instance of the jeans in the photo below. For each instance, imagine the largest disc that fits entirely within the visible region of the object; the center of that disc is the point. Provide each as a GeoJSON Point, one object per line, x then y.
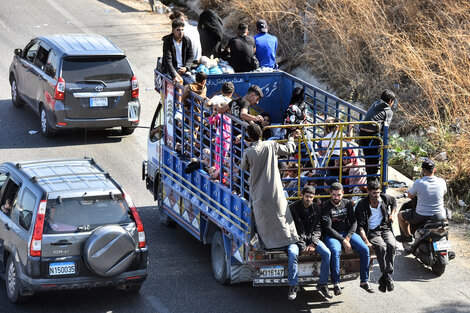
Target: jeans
{"type": "Point", "coordinates": [325, 254]}
{"type": "Point", "coordinates": [357, 244]}
{"type": "Point", "coordinates": [372, 155]}
{"type": "Point", "coordinates": [293, 264]}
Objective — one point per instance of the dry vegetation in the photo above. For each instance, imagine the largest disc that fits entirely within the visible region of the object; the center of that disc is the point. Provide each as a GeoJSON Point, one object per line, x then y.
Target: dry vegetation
{"type": "Point", "coordinates": [419, 48]}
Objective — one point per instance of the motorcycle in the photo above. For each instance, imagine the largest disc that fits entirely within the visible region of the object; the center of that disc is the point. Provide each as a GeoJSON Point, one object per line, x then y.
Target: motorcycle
{"type": "Point", "coordinates": [431, 245]}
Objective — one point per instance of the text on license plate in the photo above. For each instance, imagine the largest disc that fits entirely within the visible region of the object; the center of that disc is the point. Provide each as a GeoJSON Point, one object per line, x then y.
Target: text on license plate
{"type": "Point", "coordinates": [98, 102]}
{"type": "Point", "coordinates": [65, 268]}
{"type": "Point", "coordinates": [271, 271]}
{"type": "Point", "coordinates": [442, 245]}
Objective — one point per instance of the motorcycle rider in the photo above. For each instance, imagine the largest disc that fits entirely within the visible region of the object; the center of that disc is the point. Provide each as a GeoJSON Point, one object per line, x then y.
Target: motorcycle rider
{"type": "Point", "coordinates": [430, 191]}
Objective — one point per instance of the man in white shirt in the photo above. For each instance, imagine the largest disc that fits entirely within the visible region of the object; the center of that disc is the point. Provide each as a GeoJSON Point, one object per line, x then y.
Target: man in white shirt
{"type": "Point", "coordinates": [190, 31]}
{"type": "Point", "coordinates": [430, 191]}
{"type": "Point", "coordinates": [374, 215]}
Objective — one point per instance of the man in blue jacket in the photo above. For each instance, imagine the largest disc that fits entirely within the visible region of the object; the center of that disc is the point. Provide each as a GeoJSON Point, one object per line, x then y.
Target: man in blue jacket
{"type": "Point", "coordinates": [266, 46]}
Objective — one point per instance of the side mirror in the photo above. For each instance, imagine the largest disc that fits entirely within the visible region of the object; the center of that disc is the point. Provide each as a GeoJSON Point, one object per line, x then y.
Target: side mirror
{"type": "Point", "coordinates": [18, 52]}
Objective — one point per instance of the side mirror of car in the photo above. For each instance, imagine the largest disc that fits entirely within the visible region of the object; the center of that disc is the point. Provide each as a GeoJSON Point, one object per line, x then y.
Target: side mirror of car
{"type": "Point", "coordinates": [18, 52]}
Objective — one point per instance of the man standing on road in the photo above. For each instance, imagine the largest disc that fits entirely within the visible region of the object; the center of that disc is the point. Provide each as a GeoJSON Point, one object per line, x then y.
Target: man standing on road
{"type": "Point", "coordinates": [374, 215]}
{"type": "Point", "coordinates": [339, 223]}
{"type": "Point", "coordinates": [380, 112]}
{"type": "Point", "coordinates": [266, 46]}
{"type": "Point", "coordinates": [430, 191]}
{"type": "Point", "coordinates": [307, 219]}
{"type": "Point", "coordinates": [177, 54]}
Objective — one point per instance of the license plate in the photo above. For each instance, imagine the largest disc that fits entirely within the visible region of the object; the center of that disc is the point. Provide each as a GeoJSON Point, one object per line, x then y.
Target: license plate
{"type": "Point", "coordinates": [65, 268]}
{"type": "Point", "coordinates": [98, 102]}
{"type": "Point", "coordinates": [133, 111]}
{"type": "Point", "coordinates": [442, 245]}
{"type": "Point", "coordinates": [271, 271]}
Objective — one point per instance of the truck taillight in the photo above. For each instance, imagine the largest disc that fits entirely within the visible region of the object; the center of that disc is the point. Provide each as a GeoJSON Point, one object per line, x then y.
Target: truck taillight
{"type": "Point", "coordinates": [135, 87]}
{"type": "Point", "coordinates": [138, 221]}
{"type": "Point", "coordinates": [36, 242]}
{"type": "Point", "coordinates": [59, 93]}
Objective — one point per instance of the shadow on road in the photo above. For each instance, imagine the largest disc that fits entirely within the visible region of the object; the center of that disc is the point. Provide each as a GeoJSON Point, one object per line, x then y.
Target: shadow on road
{"type": "Point", "coordinates": [25, 125]}
{"type": "Point", "coordinates": [123, 8]}
{"type": "Point", "coordinates": [449, 306]}
{"type": "Point", "coordinates": [407, 268]}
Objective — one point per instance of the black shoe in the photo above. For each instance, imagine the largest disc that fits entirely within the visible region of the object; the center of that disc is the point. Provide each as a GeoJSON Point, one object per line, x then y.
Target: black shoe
{"type": "Point", "coordinates": [323, 290]}
{"type": "Point", "coordinates": [389, 283]}
{"type": "Point", "coordinates": [382, 283]}
{"type": "Point", "coordinates": [403, 238]}
{"type": "Point", "coordinates": [192, 167]}
{"type": "Point", "coordinates": [367, 288]}
{"type": "Point", "coordinates": [337, 290]}
{"type": "Point", "coordinates": [292, 292]}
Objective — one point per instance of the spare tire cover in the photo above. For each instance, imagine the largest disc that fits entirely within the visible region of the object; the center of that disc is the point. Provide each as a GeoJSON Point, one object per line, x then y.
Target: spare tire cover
{"type": "Point", "coordinates": [109, 250]}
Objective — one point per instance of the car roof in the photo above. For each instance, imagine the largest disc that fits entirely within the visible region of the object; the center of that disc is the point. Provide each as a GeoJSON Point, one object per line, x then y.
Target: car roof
{"type": "Point", "coordinates": [68, 177]}
{"type": "Point", "coordinates": [82, 45]}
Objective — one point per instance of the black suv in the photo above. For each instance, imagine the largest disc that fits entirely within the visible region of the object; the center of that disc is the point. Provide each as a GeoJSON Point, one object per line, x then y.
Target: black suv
{"type": "Point", "coordinates": [66, 224]}
{"type": "Point", "coordinates": [76, 81]}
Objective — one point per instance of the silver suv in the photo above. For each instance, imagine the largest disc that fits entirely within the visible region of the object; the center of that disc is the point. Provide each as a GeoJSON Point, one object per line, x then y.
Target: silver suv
{"type": "Point", "coordinates": [67, 224]}
{"type": "Point", "coordinates": [75, 81]}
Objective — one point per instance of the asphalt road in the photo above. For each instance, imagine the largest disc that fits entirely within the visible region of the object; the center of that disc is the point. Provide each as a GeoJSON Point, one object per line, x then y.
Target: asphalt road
{"type": "Point", "coordinates": [180, 276]}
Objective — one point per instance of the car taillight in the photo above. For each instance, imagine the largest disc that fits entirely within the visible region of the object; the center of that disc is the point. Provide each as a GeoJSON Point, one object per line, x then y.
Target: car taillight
{"type": "Point", "coordinates": [135, 87]}
{"type": "Point", "coordinates": [59, 93]}
{"type": "Point", "coordinates": [138, 222]}
{"type": "Point", "coordinates": [36, 241]}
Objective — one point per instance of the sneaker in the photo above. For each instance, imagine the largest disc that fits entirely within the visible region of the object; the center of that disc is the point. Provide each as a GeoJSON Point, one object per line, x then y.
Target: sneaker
{"type": "Point", "coordinates": [323, 290]}
{"type": "Point", "coordinates": [292, 292]}
{"type": "Point", "coordinates": [337, 290]}
{"type": "Point", "coordinates": [403, 238]}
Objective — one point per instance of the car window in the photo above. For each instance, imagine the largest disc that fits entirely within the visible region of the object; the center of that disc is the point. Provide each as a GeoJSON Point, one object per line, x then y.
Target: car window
{"type": "Point", "coordinates": [41, 58]}
{"type": "Point", "coordinates": [23, 211]}
{"type": "Point", "coordinates": [75, 214]}
{"type": "Point", "coordinates": [9, 197]}
{"type": "Point", "coordinates": [156, 129]}
{"type": "Point", "coordinates": [52, 64]}
{"type": "Point", "coordinates": [30, 53]}
{"type": "Point", "coordinates": [105, 68]}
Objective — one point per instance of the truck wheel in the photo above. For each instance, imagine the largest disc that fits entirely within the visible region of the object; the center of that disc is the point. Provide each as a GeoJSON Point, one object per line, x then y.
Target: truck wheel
{"type": "Point", "coordinates": [15, 95]}
{"type": "Point", "coordinates": [438, 267]}
{"type": "Point", "coordinates": [219, 259]}
{"type": "Point", "coordinates": [162, 216]}
{"type": "Point", "coordinates": [13, 283]}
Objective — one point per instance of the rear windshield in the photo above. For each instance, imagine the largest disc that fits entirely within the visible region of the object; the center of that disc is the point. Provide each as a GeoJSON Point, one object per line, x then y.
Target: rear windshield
{"type": "Point", "coordinates": [105, 68]}
{"type": "Point", "coordinates": [83, 214]}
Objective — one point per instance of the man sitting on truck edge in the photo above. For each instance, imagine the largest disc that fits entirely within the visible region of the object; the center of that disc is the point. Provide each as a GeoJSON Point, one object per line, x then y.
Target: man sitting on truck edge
{"type": "Point", "coordinates": [374, 215]}
{"type": "Point", "coordinates": [307, 219]}
{"type": "Point", "coordinates": [380, 112]}
{"type": "Point", "coordinates": [177, 54]}
{"type": "Point", "coordinates": [340, 224]}
{"type": "Point", "coordinates": [430, 191]}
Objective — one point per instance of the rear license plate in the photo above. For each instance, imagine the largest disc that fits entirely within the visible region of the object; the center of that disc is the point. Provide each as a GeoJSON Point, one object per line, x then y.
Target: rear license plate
{"type": "Point", "coordinates": [442, 245]}
{"type": "Point", "coordinates": [65, 268]}
{"type": "Point", "coordinates": [271, 271]}
{"type": "Point", "coordinates": [133, 111]}
{"type": "Point", "coordinates": [98, 102]}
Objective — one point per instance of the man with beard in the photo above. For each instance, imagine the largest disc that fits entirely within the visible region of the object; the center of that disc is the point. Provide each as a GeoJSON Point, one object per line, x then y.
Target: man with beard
{"type": "Point", "coordinates": [339, 223]}
{"type": "Point", "coordinates": [374, 217]}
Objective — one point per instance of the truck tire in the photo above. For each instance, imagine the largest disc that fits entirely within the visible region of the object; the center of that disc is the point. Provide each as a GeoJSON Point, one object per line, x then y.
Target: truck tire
{"type": "Point", "coordinates": [219, 259]}
{"type": "Point", "coordinates": [162, 216]}
{"type": "Point", "coordinates": [13, 283]}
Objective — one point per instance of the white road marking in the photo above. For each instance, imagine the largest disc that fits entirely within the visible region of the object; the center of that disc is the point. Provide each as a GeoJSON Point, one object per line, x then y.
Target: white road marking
{"type": "Point", "coordinates": [69, 16]}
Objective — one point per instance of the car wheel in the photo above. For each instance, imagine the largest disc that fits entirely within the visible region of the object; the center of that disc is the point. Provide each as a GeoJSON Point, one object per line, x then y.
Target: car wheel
{"type": "Point", "coordinates": [45, 127]}
{"type": "Point", "coordinates": [127, 130]}
{"type": "Point", "coordinates": [13, 283]}
{"type": "Point", "coordinates": [109, 250]}
{"type": "Point", "coordinates": [219, 259]}
{"type": "Point", "coordinates": [15, 95]}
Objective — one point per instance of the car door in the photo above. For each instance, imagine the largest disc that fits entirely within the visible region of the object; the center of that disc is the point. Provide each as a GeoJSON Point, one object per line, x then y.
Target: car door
{"type": "Point", "coordinates": [25, 78]}
{"type": "Point", "coordinates": [39, 82]}
{"type": "Point", "coordinates": [21, 226]}
{"type": "Point", "coordinates": [9, 193]}
{"type": "Point", "coordinates": [4, 219]}
{"type": "Point", "coordinates": [155, 142]}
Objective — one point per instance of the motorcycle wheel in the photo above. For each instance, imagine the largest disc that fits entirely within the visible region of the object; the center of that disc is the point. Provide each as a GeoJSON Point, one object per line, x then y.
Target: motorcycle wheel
{"type": "Point", "coordinates": [438, 267]}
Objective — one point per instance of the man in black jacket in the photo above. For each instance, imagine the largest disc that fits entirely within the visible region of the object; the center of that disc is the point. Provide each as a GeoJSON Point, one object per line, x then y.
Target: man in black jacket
{"type": "Point", "coordinates": [307, 218]}
{"type": "Point", "coordinates": [339, 223]}
{"type": "Point", "coordinates": [240, 50]}
{"type": "Point", "coordinates": [177, 54]}
{"type": "Point", "coordinates": [374, 215]}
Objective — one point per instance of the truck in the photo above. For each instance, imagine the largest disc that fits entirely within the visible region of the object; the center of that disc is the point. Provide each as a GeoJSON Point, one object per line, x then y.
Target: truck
{"type": "Point", "coordinates": [212, 202]}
